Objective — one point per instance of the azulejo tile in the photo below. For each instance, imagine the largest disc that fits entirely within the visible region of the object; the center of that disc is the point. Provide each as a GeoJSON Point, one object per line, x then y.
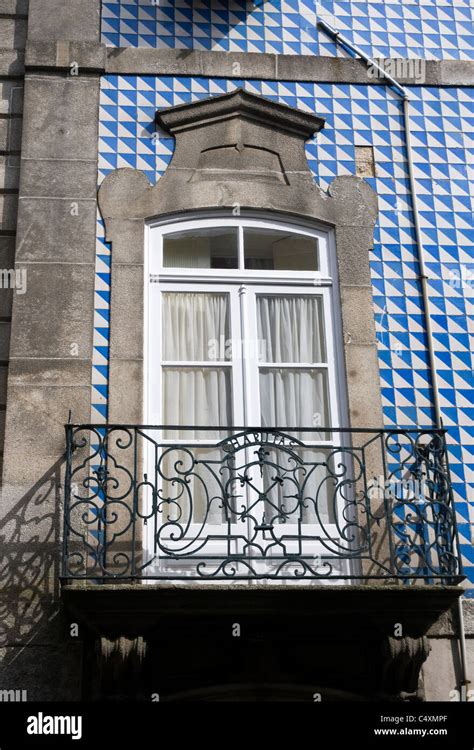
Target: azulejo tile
{"type": "Point", "coordinates": [126, 138]}
{"type": "Point", "coordinates": [436, 29]}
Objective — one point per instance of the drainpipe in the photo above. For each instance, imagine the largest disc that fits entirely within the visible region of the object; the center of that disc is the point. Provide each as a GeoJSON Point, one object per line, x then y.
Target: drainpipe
{"type": "Point", "coordinates": [403, 93]}
{"type": "Point", "coordinates": [421, 260]}
{"type": "Point", "coordinates": [465, 681]}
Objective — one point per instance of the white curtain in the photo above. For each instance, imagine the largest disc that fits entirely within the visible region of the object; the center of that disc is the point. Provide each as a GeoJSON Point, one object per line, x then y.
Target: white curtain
{"type": "Point", "coordinates": [294, 398]}
{"type": "Point", "coordinates": [190, 322]}
{"type": "Point", "coordinates": [292, 331]}
{"type": "Point", "coordinates": [195, 327]}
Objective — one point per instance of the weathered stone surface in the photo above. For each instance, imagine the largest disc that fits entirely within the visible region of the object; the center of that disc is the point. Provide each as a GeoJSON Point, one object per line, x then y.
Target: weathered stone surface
{"type": "Point", "coordinates": [237, 108]}
{"type": "Point", "coordinates": [12, 62]}
{"type": "Point", "coordinates": [140, 199]}
{"type": "Point", "coordinates": [49, 372]}
{"type": "Point", "coordinates": [446, 625]}
{"type": "Point", "coordinates": [6, 296]}
{"type": "Point", "coordinates": [307, 68]}
{"type": "Point", "coordinates": [455, 73]}
{"type": "Point", "coordinates": [357, 202]}
{"type": "Point", "coordinates": [357, 307]}
{"type": "Point", "coordinates": [54, 317]}
{"type": "Point", "coordinates": [127, 292]}
{"type": "Point", "coordinates": [77, 180]}
{"type": "Point", "coordinates": [362, 373]}
{"type": "Point", "coordinates": [7, 252]}
{"type": "Point", "coordinates": [324, 609]}
{"type": "Point", "coordinates": [11, 97]}
{"type": "Point", "coordinates": [31, 609]}
{"type": "Point", "coordinates": [129, 61]}
{"type": "Point", "coordinates": [10, 134]}
{"type": "Point", "coordinates": [47, 673]}
{"type": "Point", "coordinates": [50, 375]}
{"type": "Point", "coordinates": [9, 175]}
{"type": "Point", "coordinates": [5, 135]}
{"type": "Point", "coordinates": [126, 406]}
{"type": "Point", "coordinates": [73, 57]}
{"type": "Point", "coordinates": [12, 33]}
{"type": "Point", "coordinates": [402, 660]}
{"type": "Point", "coordinates": [2, 425]}
{"type": "Point", "coordinates": [17, 8]}
{"type": "Point", "coordinates": [35, 436]}
{"type": "Point", "coordinates": [441, 670]}
{"type": "Point", "coordinates": [76, 20]}
{"type": "Point", "coordinates": [468, 611]}
{"type": "Point", "coordinates": [3, 384]}
{"type": "Point", "coordinates": [50, 230]}
{"type": "Point", "coordinates": [182, 62]}
{"type": "Point", "coordinates": [353, 258]}
{"type": "Point", "coordinates": [8, 211]}
{"type": "Point", "coordinates": [60, 118]}
{"type": "Point", "coordinates": [128, 240]}
{"type": "Point", "coordinates": [239, 137]}
{"type": "Point", "coordinates": [4, 340]}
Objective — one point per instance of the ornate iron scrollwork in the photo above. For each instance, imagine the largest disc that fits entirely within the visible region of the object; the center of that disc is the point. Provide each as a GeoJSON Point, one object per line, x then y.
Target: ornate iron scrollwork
{"type": "Point", "coordinates": [259, 503]}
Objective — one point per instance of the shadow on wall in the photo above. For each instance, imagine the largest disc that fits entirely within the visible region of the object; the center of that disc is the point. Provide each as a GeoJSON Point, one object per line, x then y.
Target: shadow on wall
{"type": "Point", "coordinates": [37, 653]}
{"type": "Point", "coordinates": [234, 25]}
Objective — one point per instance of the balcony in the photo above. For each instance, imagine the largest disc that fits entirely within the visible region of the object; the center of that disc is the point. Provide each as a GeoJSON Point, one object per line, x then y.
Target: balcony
{"type": "Point", "coordinates": [328, 548]}
{"type": "Point", "coordinates": [298, 505]}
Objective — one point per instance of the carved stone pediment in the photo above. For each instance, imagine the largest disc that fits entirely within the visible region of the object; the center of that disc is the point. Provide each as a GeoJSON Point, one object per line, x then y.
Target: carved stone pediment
{"type": "Point", "coordinates": [236, 149]}
{"type": "Point", "coordinates": [240, 136]}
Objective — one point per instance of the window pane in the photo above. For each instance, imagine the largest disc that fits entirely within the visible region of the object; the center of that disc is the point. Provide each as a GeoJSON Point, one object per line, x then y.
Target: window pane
{"type": "Point", "coordinates": [215, 247]}
{"type": "Point", "coordinates": [295, 398]}
{"type": "Point", "coordinates": [196, 396]}
{"type": "Point", "coordinates": [277, 250]}
{"type": "Point", "coordinates": [195, 326]}
{"type": "Point", "coordinates": [291, 329]}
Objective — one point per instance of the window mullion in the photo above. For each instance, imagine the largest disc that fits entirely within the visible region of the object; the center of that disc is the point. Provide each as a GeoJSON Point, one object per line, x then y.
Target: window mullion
{"type": "Point", "coordinates": [241, 248]}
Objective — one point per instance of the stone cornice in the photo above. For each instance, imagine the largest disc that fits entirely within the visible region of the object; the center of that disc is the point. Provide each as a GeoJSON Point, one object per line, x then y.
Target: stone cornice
{"type": "Point", "coordinates": [94, 57]}
{"type": "Point", "coordinates": [243, 105]}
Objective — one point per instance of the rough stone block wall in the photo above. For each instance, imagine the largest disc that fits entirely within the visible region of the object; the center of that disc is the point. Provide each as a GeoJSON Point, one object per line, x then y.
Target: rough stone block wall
{"type": "Point", "coordinates": [47, 221]}
{"type": "Point", "coordinates": [13, 25]}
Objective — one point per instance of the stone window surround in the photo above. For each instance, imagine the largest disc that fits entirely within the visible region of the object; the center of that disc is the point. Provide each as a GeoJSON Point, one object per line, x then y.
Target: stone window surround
{"type": "Point", "coordinates": [191, 187]}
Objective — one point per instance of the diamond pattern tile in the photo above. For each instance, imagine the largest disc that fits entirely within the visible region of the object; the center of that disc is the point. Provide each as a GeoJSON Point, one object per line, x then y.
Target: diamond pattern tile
{"type": "Point", "coordinates": [355, 115]}
{"type": "Point", "coordinates": [431, 29]}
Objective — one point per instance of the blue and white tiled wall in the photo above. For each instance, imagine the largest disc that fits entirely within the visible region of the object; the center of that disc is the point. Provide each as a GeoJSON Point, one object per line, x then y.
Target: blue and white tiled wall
{"type": "Point", "coordinates": [441, 120]}
{"type": "Point", "coordinates": [431, 29]}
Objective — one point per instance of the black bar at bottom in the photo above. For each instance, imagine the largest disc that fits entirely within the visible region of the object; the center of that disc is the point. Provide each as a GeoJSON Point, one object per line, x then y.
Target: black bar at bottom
{"type": "Point", "coordinates": [323, 723]}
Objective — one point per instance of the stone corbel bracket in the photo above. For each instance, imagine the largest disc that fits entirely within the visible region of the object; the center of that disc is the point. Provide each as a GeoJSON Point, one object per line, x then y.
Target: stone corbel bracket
{"type": "Point", "coordinates": [239, 151]}
{"type": "Point", "coordinates": [402, 660]}
{"type": "Point", "coordinates": [120, 667]}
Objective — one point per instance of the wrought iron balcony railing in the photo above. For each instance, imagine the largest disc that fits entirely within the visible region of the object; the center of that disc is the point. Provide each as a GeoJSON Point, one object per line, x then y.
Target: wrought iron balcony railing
{"type": "Point", "coordinates": [145, 502]}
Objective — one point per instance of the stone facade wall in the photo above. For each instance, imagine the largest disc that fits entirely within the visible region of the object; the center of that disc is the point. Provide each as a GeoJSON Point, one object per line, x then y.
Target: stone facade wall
{"type": "Point", "coordinates": [52, 323]}
{"type": "Point", "coordinates": [13, 24]}
{"type": "Point", "coordinates": [51, 61]}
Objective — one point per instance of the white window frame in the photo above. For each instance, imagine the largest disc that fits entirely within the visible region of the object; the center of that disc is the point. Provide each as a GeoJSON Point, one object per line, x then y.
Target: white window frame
{"type": "Point", "coordinates": [323, 283]}
{"type": "Point", "coordinates": [324, 278]}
